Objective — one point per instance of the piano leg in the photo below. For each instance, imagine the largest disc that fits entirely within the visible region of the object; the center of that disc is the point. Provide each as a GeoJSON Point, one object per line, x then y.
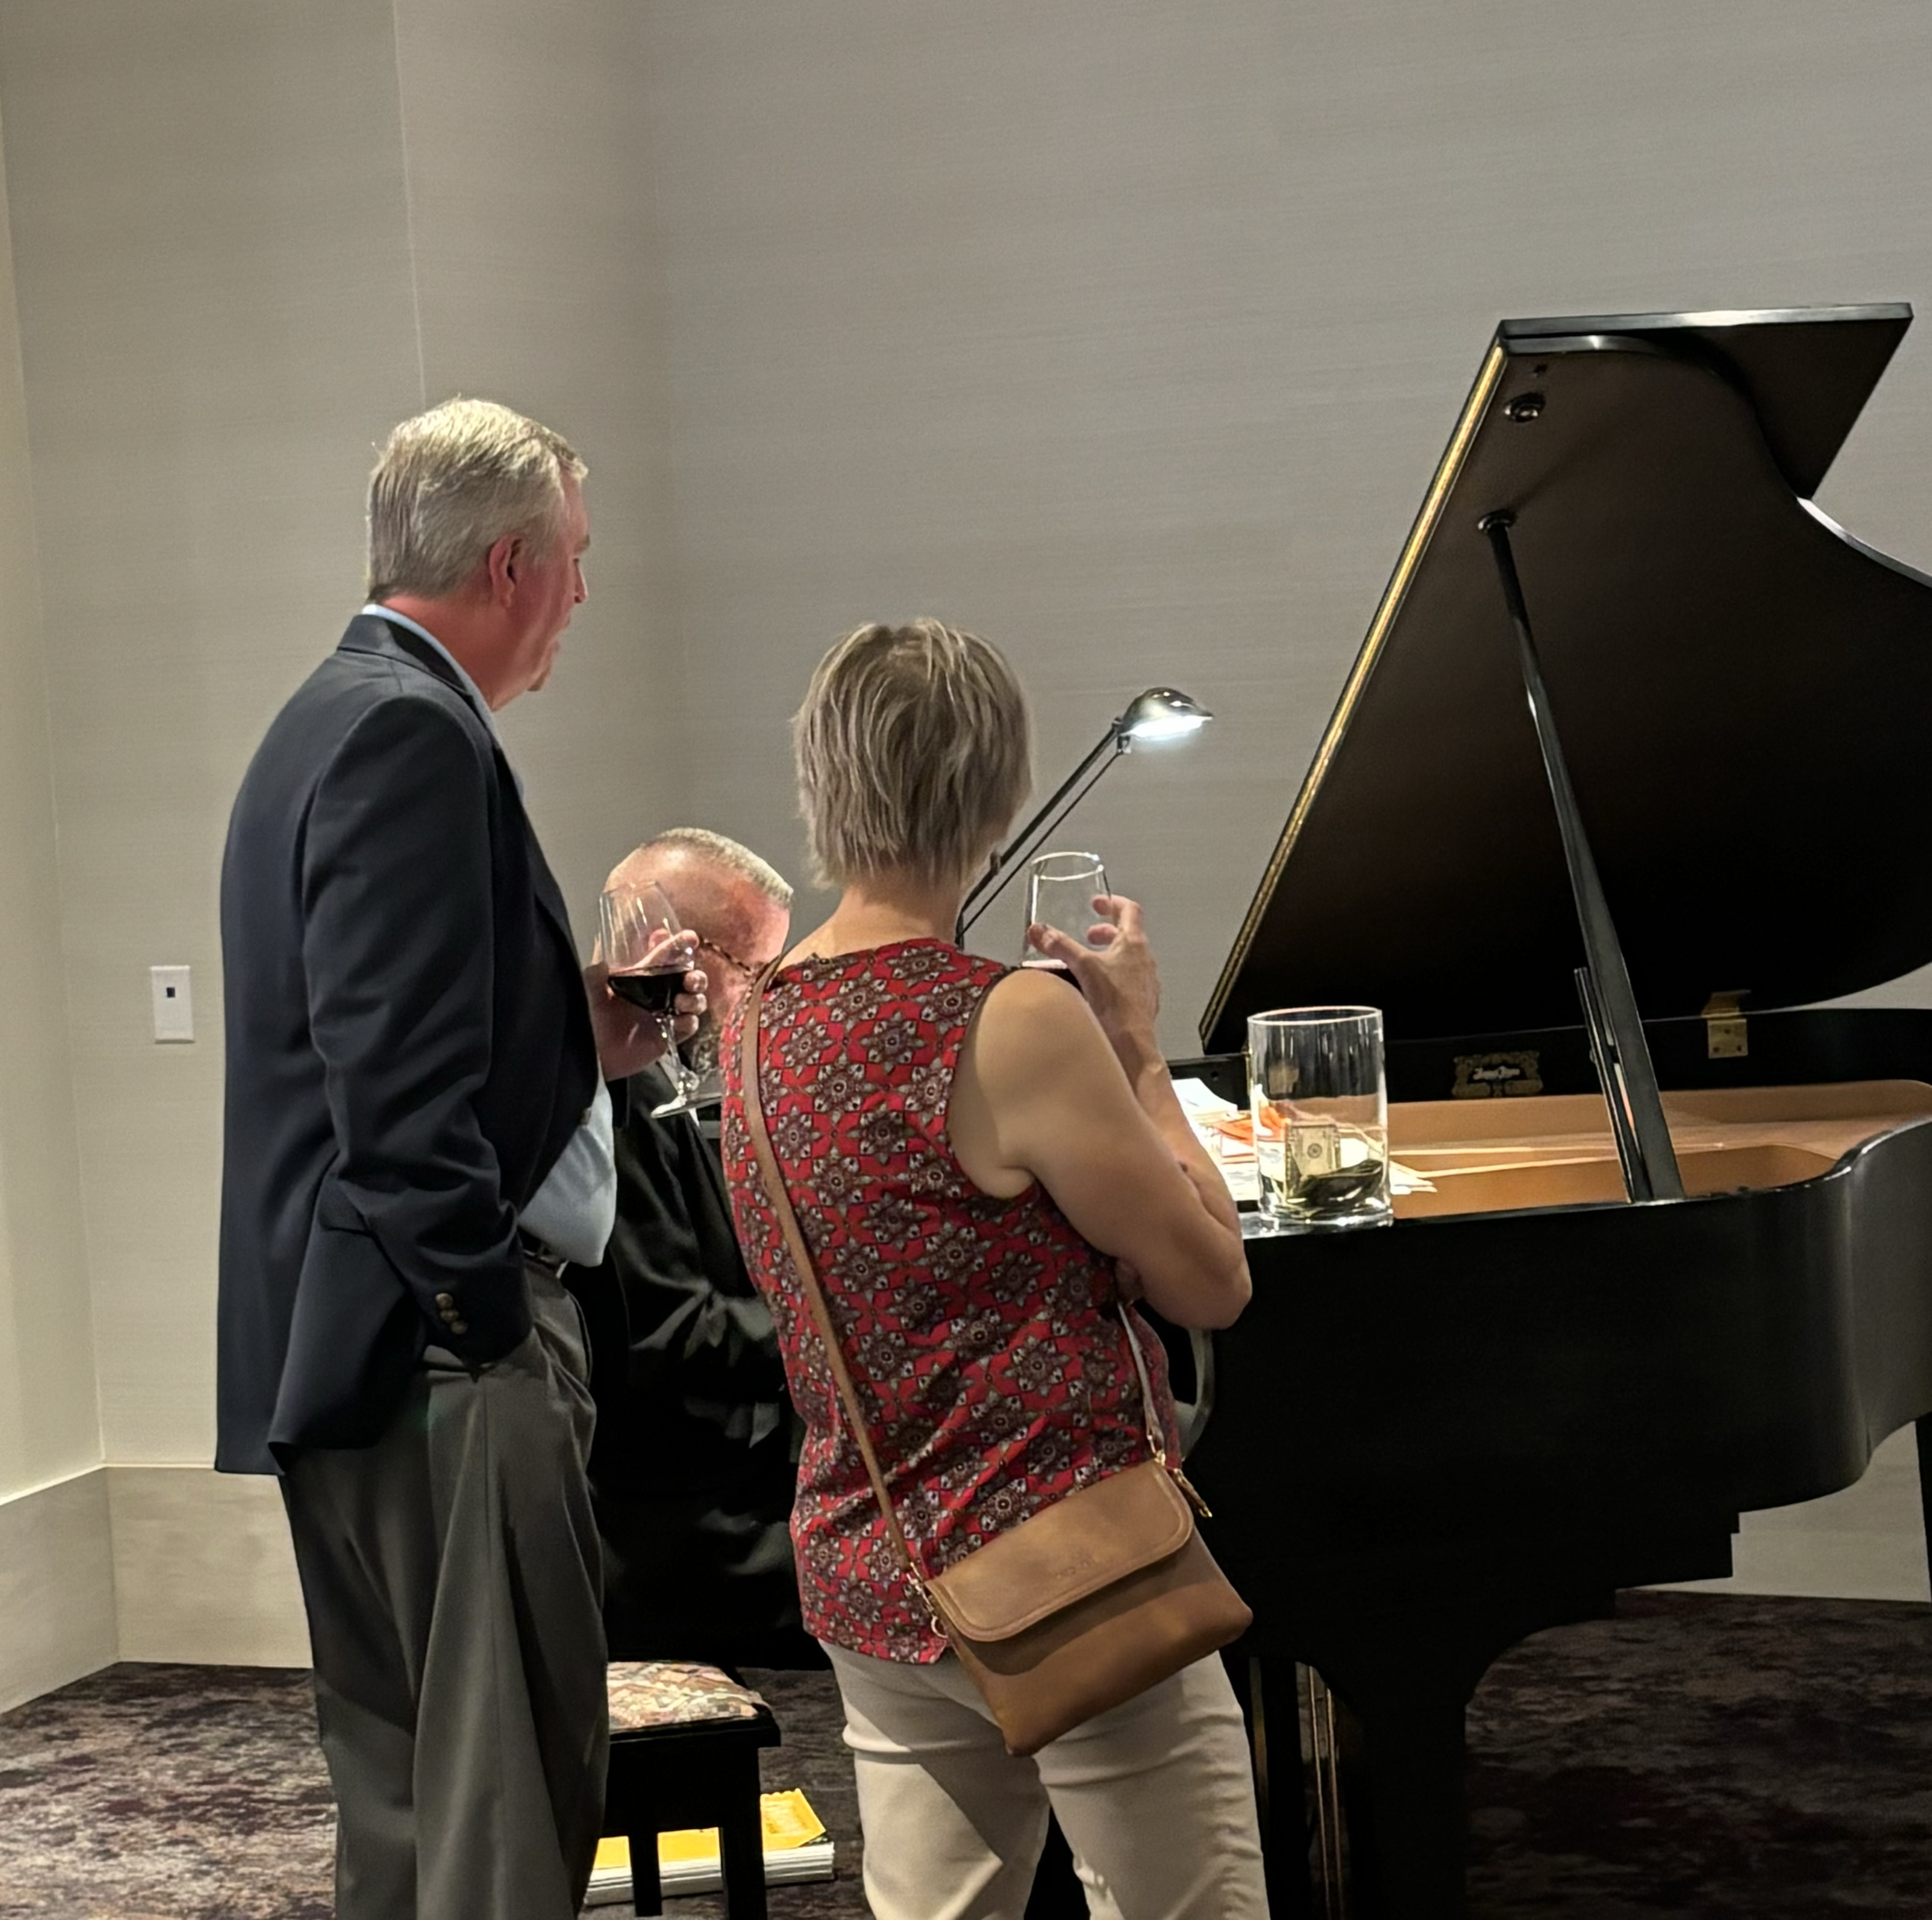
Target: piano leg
{"type": "Point", "coordinates": [1402, 1772]}
{"type": "Point", "coordinates": [1266, 1689]}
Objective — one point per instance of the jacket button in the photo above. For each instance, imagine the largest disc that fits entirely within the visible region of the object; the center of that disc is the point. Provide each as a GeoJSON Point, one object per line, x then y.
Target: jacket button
{"type": "Point", "coordinates": [445, 1301]}
{"type": "Point", "coordinates": [459, 1327]}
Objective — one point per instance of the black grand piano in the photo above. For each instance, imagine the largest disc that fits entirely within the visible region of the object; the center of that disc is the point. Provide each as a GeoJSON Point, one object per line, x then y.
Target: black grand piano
{"type": "Point", "coordinates": [1636, 729]}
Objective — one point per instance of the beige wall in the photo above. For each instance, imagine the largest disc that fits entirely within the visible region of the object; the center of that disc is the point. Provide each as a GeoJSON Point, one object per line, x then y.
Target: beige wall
{"type": "Point", "coordinates": [56, 1586]}
{"type": "Point", "coordinates": [49, 1419]}
{"type": "Point", "coordinates": [203, 1570]}
{"type": "Point", "coordinates": [1134, 344]}
{"type": "Point", "coordinates": [209, 235]}
{"type": "Point", "coordinates": [251, 236]}
{"type": "Point", "coordinates": [538, 280]}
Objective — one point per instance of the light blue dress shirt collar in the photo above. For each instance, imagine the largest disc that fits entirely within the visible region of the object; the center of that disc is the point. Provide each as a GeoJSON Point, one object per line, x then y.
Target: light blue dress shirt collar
{"type": "Point", "coordinates": [416, 627]}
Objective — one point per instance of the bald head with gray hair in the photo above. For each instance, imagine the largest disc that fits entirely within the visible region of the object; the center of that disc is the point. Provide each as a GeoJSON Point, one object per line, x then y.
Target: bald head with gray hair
{"type": "Point", "coordinates": [450, 483]}
{"type": "Point", "coordinates": [706, 848]}
{"type": "Point", "coordinates": [738, 905]}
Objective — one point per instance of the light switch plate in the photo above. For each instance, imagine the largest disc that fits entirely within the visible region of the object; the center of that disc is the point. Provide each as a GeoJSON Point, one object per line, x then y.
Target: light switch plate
{"type": "Point", "coordinates": [174, 1003]}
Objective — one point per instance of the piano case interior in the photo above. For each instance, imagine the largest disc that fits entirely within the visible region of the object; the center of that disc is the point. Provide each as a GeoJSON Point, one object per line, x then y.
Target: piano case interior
{"type": "Point", "coordinates": [1492, 1156]}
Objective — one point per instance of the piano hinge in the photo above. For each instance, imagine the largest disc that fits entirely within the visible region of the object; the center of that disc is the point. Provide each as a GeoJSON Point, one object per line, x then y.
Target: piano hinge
{"type": "Point", "coordinates": [1724, 1033]}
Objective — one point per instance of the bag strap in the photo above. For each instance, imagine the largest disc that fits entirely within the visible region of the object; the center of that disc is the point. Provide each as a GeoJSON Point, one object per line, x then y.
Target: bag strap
{"type": "Point", "coordinates": [808, 1277]}
{"type": "Point", "coordinates": [752, 1098]}
{"type": "Point", "coordinates": [1156, 1433]}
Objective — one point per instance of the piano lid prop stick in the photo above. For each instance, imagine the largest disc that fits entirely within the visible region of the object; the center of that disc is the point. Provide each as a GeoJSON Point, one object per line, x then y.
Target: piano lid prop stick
{"type": "Point", "coordinates": [1603, 1054]}
{"type": "Point", "coordinates": [1012, 857]}
{"type": "Point", "coordinates": [1604, 955]}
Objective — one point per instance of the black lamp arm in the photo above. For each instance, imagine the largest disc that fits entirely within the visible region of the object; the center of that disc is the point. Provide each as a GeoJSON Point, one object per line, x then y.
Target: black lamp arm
{"type": "Point", "coordinates": [1001, 868]}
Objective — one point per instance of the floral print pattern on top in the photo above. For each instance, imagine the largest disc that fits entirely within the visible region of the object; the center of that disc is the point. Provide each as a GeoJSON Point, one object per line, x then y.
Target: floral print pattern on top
{"type": "Point", "coordinates": [981, 1334]}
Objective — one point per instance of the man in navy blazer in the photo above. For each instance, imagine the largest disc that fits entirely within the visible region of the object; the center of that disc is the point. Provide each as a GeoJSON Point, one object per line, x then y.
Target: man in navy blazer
{"type": "Point", "coordinates": [418, 1142]}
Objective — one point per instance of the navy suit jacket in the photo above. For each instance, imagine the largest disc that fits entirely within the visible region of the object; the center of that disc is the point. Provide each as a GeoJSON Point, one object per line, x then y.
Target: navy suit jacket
{"type": "Point", "coordinates": [409, 1050]}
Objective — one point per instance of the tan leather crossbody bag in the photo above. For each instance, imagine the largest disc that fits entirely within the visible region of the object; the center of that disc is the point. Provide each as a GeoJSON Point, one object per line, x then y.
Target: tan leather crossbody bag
{"type": "Point", "coordinates": [1083, 1605]}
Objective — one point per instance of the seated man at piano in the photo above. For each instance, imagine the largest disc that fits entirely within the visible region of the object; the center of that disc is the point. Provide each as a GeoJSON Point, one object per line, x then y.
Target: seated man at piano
{"type": "Point", "coordinates": [694, 1465]}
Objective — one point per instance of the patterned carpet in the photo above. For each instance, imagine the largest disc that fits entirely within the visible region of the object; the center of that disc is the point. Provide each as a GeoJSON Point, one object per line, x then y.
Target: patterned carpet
{"type": "Point", "coordinates": [1708, 1755]}
{"type": "Point", "coordinates": [1700, 1755]}
{"type": "Point", "coordinates": [199, 1793]}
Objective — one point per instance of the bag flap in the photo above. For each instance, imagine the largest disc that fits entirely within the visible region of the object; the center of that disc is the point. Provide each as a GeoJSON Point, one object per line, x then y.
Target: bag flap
{"type": "Point", "coordinates": [1065, 1553]}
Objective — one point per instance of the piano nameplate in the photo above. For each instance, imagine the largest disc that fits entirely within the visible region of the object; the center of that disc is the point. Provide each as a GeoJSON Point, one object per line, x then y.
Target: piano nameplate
{"type": "Point", "coordinates": [1483, 1076]}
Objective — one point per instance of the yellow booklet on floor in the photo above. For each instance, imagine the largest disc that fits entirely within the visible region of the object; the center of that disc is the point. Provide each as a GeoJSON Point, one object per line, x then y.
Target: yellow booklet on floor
{"type": "Point", "coordinates": [797, 1847]}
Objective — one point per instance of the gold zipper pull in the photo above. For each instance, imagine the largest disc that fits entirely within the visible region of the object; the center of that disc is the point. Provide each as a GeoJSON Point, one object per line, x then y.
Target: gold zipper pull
{"type": "Point", "coordinates": [1194, 1499]}
{"type": "Point", "coordinates": [925, 1601]}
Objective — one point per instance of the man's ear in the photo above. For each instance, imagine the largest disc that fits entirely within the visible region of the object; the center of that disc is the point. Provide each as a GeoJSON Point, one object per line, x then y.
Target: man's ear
{"type": "Point", "coordinates": [506, 563]}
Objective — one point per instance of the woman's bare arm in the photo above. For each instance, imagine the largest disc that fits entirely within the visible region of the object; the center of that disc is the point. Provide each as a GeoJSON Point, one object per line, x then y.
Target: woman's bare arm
{"type": "Point", "coordinates": [1073, 1092]}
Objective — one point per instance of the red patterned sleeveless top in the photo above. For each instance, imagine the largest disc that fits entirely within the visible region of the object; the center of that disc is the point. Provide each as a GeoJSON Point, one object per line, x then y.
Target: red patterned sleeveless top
{"type": "Point", "coordinates": [982, 1334]}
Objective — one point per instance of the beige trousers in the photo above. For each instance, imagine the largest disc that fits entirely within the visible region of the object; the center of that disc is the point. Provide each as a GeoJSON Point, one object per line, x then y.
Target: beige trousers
{"type": "Point", "coordinates": [1156, 1799]}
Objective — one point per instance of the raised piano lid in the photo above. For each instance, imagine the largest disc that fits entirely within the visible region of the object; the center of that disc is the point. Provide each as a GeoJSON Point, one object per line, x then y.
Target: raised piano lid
{"type": "Point", "coordinates": [1742, 691]}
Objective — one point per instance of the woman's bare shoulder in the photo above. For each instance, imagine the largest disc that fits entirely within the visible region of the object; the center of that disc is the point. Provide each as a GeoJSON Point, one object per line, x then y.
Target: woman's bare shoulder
{"type": "Point", "coordinates": [1036, 993]}
{"type": "Point", "coordinates": [1032, 1020]}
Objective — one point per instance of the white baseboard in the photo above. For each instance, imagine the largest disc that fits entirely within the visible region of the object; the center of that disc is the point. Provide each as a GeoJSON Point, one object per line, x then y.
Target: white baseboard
{"type": "Point", "coordinates": [203, 1571]}
{"type": "Point", "coordinates": [56, 1586]}
{"type": "Point", "coordinates": [184, 1563]}
{"type": "Point", "coordinates": [145, 1563]}
{"type": "Point", "coordinates": [1867, 1542]}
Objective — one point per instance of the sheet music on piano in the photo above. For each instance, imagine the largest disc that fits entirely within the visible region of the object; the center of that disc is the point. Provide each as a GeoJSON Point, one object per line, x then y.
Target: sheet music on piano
{"type": "Point", "coordinates": [1227, 1132]}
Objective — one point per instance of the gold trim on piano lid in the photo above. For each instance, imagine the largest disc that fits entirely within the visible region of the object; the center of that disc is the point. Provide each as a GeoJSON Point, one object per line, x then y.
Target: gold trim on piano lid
{"type": "Point", "coordinates": [1419, 535]}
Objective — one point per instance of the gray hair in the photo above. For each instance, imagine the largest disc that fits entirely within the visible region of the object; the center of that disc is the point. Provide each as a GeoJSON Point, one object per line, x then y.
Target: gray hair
{"type": "Point", "coordinates": [727, 854]}
{"type": "Point", "coordinates": [450, 484]}
{"type": "Point", "coordinates": [914, 751]}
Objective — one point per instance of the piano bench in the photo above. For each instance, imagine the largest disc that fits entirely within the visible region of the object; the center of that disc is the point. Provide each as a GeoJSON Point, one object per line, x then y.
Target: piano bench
{"type": "Point", "coordinates": [684, 1753]}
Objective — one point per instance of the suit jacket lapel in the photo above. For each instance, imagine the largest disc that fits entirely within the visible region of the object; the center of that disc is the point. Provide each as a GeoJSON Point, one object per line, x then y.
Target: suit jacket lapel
{"type": "Point", "coordinates": [369, 633]}
{"type": "Point", "coordinates": [550, 895]}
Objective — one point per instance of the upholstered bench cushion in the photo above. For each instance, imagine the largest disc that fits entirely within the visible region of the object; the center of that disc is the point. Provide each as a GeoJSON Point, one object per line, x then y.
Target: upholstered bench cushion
{"type": "Point", "coordinates": [675, 1693]}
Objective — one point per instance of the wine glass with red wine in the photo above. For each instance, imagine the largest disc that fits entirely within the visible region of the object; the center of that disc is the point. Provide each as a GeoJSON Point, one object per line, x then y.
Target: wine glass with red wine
{"type": "Point", "coordinates": [1060, 887]}
{"type": "Point", "coordinates": [633, 924]}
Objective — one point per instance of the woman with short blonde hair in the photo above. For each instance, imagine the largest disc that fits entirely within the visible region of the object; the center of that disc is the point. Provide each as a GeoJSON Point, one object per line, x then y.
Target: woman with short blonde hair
{"type": "Point", "coordinates": [914, 752]}
{"type": "Point", "coordinates": [984, 1165]}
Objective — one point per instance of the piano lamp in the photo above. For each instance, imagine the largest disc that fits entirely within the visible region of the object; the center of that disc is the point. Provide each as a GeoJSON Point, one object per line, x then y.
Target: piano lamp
{"type": "Point", "coordinates": [1162, 713]}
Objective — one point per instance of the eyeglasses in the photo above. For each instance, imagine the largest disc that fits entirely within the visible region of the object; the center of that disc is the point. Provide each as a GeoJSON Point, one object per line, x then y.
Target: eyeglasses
{"type": "Point", "coordinates": [749, 969]}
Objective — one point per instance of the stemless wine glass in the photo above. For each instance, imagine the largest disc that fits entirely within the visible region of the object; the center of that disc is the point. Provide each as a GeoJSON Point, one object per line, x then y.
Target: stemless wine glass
{"type": "Point", "coordinates": [634, 923]}
{"type": "Point", "coordinates": [1060, 888]}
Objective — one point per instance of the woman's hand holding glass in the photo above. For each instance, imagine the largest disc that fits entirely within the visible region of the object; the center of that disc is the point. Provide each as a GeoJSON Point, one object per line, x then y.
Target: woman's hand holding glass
{"type": "Point", "coordinates": [1114, 967]}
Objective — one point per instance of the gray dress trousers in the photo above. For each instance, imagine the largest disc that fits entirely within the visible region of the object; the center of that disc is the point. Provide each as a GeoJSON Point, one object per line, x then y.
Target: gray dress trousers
{"type": "Point", "coordinates": [451, 1576]}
